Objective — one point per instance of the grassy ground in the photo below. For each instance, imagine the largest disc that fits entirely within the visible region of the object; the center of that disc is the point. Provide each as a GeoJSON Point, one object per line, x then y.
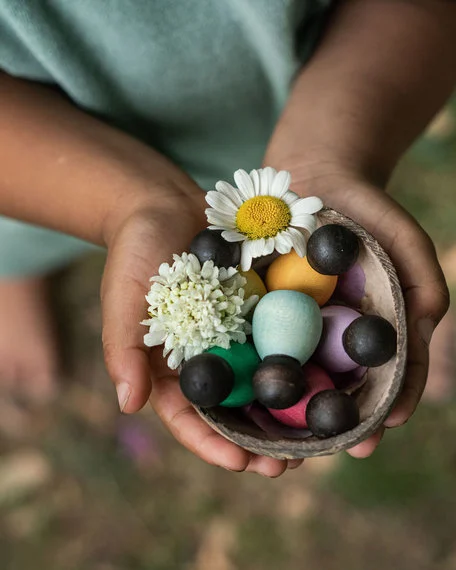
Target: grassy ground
{"type": "Point", "coordinates": [82, 488]}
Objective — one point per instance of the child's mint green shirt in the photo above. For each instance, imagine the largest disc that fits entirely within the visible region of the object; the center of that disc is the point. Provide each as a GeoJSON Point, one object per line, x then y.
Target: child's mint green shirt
{"type": "Point", "coordinates": [202, 81]}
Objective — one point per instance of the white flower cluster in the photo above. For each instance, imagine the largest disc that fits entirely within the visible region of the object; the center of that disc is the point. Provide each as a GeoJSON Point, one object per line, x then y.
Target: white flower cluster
{"type": "Point", "coordinates": [194, 307]}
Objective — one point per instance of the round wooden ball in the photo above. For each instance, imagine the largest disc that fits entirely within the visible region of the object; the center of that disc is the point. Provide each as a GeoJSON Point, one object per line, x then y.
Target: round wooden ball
{"type": "Point", "coordinates": [377, 396]}
{"type": "Point", "coordinates": [370, 340]}
{"type": "Point", "coordinates": [331, 413]}
{"type": "Point", "coordinates": [279, 382]}
{"type": "Point", "coordinates": [210, 245]}
{"type": "Point", "coordinates": [206, 379]}
{"type": "Point", "coordinates": [332, 249]}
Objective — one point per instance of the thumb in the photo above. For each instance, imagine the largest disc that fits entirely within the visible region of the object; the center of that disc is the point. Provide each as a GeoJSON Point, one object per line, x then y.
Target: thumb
{"type": "Point", "coordinates": [132, 259]}
{"type": "Point", "coordinates": [123, 308]}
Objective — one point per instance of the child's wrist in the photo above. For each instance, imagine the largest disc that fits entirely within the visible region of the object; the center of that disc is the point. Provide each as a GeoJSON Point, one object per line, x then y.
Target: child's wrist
{"type": "Point", "coordinates": [319, 164]}
{"type": "Point", "coordinates": [152, 208]}
{"type": "Point", "coordinates": [325, 175]}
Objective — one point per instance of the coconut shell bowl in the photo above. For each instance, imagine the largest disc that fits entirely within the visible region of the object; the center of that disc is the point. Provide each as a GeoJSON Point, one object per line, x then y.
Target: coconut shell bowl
{"type": "Point", "coordinates": [286, 321]}
{"type": "Point", "coordinates": [377, 393]}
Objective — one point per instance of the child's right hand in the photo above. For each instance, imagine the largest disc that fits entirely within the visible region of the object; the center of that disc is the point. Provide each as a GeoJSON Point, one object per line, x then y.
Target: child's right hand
{"type": "Point", "coordinates": [414, 257]}
{"type": "Point", "coordinates": [146, 238]}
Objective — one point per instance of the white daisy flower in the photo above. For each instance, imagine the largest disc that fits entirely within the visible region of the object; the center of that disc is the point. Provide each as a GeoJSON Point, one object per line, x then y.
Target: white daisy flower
{"type": "Point", "coordinates": [262, 213]}
{"type": "Point", "coordinates": [194, 307]}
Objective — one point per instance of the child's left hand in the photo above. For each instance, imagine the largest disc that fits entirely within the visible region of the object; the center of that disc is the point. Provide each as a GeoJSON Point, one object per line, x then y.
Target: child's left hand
{"type": "Point", "coordinates": [143, 241]}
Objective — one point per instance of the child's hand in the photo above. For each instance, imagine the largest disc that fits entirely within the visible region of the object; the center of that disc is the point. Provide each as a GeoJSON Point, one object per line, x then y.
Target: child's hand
{"type": "Point", "coordinates": [145, 239]}
{"type": "Point", "coordinates": [352, 114]}
{"type": "Point", "coordinates": [112, 190]}
{"type": "Point", "coordinates": [414, 256]}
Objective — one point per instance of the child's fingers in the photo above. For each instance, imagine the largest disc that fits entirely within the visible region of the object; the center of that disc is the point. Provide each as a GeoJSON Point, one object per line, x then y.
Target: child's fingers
{"type": "Point", "coordinates": [426, 299]}
{"type": "Point", "coordinates": [128, 368]}
{"type": "Point", "coordinates": [426, 305]}
{"type": "Point", "coordinates": [267, 466]}
{"type": "Point", "coordinates": [425, 291]}
{"type": "Point", "coordinates": [183, 422]}
{"type": "Point", "coordinates": [124, 306]}
{"type": "Point", "coordinates": [367, 447]}
{"type": "Point", "coordinates": [295, 463]}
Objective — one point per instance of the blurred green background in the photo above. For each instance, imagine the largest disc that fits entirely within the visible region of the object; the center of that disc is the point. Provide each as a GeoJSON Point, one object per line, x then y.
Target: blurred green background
{"type": "Point", "coordinates": [82, 487]}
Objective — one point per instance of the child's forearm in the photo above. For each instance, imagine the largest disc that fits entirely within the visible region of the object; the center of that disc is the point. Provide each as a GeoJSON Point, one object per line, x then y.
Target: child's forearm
{"type": "Point", "coordinates": [63, 169]}
{"type": "Point", "coordinates": [382, 70]}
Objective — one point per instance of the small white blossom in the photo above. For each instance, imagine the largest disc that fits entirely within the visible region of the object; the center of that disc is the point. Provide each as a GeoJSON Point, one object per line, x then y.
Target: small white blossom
{"type": "Point", "coordinates": [194, 307]}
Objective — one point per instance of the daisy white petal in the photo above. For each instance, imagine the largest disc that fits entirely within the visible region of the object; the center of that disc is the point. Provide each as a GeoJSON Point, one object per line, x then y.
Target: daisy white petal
{"type": "Point", "coordinates": [299, 241]}
{"type": "Point", "coordinates": [219, 215]}
{"type": "Point", "coordinates": [244, 183]}
{"type": "Point", "coordinates": [233, 235]}
{"type": "Point", "coordinates": [282, 247]}
{"type": "Point", "coordinates": [246, 255]}
{"type": "Point", "coordinates": [229, 191]}
{"type": "Point", "coordinates": [310, 205]}
{"type": "Point", "coordinates": [221, 203]}
{"type": "Point", "coordinates": [306, 221]}
{"type": "Point", "coordinates": [283, 242]}
{"type": "Point", "coordinates": [259, 245]}
{"type": "Point", "coordinates": [290, 198]}
{"type": "Point", "coordinates": [218, 219]}
{"type": "Point", "coordinates": [253, 248]}
{"type": "Point", "coordinates": [256, 181]}
{"type": "Point", "coordinates": [281, 183]}
{"type": "Point", "coordinates": [269, 246]}
{"type": "Point", "coordinates": [212, 227]}
{"type": "Point", "coordinates": [266, 178]}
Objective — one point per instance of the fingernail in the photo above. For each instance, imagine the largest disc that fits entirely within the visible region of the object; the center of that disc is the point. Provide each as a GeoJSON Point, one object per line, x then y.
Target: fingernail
{"type": "Point", "coordinates": [425, 330]}
{"type": "Point", "coordinates": [232, 470]}
{"type": "Point", "coordinates": [123, 395]}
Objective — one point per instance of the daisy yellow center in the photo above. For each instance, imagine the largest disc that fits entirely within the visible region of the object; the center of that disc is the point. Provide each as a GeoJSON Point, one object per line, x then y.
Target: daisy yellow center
{"type": "Point", "coordinates": [263, 217]}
